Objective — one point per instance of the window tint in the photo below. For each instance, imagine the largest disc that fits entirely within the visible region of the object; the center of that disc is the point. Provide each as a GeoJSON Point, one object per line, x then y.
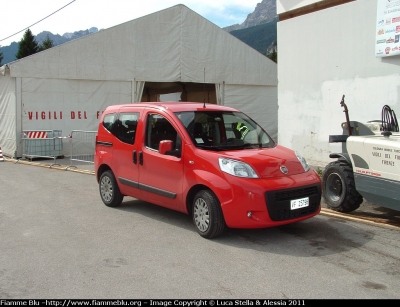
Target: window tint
{"type": "Point", "coordinates": [221, 130]}
{"type": "Point", "coordinates": [126, 127]}
{"type": "Point", "coordinates": [158, 128]}
{"type": "Point", "coordinates": [108, 121]}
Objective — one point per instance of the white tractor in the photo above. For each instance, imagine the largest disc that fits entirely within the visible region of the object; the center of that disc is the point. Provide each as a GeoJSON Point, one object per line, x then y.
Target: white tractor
{"type": "Point", "coordinates": [368, 166]}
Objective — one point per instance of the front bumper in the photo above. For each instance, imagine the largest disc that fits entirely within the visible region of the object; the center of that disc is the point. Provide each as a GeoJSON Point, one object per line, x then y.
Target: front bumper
{"type": "Point", "coordinates": [263, 203]}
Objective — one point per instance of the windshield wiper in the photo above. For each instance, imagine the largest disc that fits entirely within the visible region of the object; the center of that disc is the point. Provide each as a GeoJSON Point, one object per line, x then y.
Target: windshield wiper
{"type": "Point", "coordinates": [253, 145]}
{"type": "Point", "coordinates": [231, 146]}
{"type": "Point", "coordinates": [219, 147]}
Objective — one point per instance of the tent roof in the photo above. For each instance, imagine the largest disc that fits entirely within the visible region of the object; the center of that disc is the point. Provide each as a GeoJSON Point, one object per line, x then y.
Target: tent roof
{"type": "Point", "coordinates": [172, 45]}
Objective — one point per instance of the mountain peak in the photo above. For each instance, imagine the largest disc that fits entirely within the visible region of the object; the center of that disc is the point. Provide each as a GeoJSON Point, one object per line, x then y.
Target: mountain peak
{"type": "Point", "coordinates": [78, 34]}
{"type": "Point", "coordinates": [264, 12]}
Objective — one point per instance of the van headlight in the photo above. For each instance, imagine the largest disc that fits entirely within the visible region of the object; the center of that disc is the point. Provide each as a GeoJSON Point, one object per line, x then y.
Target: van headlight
{"type": "Point", "coordinates": [236, 168]}
{"type": "Point", "coordinates": [302, 161]}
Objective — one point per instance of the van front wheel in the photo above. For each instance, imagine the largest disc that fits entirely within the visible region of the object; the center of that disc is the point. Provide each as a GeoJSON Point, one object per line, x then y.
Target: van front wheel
{"type": "Point", "coordinates": [338, 187]}
{"type": "Point", "coordinates": [109, 191]}
{"type": "Point", "coordinates": [207, 215]}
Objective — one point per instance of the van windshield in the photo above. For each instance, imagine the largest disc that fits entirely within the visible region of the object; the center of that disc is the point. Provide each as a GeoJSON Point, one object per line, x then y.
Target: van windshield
{"type": "Point", "coordinates": [222, 130]}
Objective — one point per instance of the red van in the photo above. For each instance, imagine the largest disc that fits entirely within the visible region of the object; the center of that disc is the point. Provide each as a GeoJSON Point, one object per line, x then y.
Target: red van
{"type": "Point", "coordinates": [212, 162]}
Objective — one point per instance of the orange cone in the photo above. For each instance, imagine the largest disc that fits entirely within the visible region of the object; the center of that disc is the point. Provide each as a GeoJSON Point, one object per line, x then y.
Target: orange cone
{"type": "Point", "coordinates": [1, 155]}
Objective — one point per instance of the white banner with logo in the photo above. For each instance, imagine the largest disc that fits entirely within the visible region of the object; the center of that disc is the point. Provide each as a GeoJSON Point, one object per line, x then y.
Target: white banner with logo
{"type": "Point", "coordinates": [387, 28]}
{"type": "Point", "coordinates": [67, 105]}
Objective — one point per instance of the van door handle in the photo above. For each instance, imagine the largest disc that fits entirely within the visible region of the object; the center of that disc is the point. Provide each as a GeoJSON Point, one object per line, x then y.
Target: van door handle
{"type": "Point", "coordinates": [140, 157]}
{"type": "Point", "coordinates": [134, 157]}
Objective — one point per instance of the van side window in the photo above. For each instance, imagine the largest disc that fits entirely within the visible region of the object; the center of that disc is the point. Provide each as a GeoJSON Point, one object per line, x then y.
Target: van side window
{"type": "Point", "coordinates": [158, 128]}
{"type": "Point", "coordinates": [126, 127]}
{"type": "Point", "coordinates": [108, 121]}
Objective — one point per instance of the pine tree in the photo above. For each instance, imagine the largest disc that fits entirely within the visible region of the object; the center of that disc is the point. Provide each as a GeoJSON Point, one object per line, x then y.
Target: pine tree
{"type": "Point", "coordinates": [273, 56]}
{"type": "Point", "coordinates": [46, 44]}
{"type": "Point", "coordinates": [27, 45]}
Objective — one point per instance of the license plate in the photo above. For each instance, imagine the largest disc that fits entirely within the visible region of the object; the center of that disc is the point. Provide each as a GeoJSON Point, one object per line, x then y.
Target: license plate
{"type": "Point", "coordinates": [299, 203]}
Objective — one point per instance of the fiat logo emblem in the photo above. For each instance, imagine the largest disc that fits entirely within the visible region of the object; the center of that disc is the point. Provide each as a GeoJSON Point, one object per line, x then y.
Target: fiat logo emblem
{"type": "Point", "coordinates": [284, 169]}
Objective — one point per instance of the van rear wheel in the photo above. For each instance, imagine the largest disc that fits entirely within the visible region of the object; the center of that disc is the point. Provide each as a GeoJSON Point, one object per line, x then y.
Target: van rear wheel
{"type": "Point", "coordinates": [109, 191]}
{"type": "Point", "coordinates": [207, 215]}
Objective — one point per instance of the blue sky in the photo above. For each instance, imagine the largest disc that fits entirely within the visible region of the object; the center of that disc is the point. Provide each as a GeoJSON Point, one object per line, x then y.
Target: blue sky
{"type": "Point", "coordinates": [75, 15]}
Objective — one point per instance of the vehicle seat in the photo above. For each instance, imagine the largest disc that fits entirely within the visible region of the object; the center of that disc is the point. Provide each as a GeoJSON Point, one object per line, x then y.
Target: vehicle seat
{"type": "Point", "coordinates": [198, 136]}
{"type": "Point", "coordinates": [197, 130]}
{"type": "Point", "coordinates": [162, 131]}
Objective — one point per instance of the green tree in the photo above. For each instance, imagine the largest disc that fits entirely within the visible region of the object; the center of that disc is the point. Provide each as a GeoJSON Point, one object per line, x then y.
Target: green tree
{"type": "Point", "coordinates": [1, 57]}
{"type": "Point", "coordinates": [27, 45]}
{"type": "Point", "coordinates": [273, 56]}
{"type": "Point", "coordinates": [46, 44]}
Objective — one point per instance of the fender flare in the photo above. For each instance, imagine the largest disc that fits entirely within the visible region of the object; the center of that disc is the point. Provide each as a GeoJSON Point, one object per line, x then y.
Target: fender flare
{"type": "Point", "coordinates": [209, 179]}
{"type": "Point", "coordinates": [218, 185]}
{"type": "Point", "coordinates": [341, 156]}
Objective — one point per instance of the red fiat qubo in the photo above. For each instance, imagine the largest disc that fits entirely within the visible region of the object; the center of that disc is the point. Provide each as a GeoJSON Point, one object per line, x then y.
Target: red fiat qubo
{"type": "Point", "coordinates": [212, 162]}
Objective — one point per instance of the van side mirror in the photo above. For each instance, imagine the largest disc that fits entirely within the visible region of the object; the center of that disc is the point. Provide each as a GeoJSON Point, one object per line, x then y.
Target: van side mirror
{"type": "Point", "coordinates": [165, 146]}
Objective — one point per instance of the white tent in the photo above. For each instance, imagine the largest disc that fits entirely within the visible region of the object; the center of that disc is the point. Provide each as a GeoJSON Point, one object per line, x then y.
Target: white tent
{"type": "Point", "coordinates": [173, 50]}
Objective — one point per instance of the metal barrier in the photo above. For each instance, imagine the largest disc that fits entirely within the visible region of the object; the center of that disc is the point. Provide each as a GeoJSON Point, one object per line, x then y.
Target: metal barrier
{"type": "Point", "coordinates": [41, 144]}
{"type": "Point", "coordinates": [82, 146]}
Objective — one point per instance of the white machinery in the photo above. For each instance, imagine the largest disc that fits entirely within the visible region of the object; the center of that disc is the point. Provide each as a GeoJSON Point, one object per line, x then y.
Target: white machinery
{"type": "Point", "coordinates": [368, 166]}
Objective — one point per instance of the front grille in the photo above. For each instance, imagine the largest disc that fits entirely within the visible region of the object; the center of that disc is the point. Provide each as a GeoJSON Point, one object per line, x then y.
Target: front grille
{"type": "Point", "coordinates": [278, 202]}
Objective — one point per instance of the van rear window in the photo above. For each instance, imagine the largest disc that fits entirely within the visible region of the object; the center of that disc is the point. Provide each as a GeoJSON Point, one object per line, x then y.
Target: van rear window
{"type": "Point", "coordinates": [125, 129]}
{"type": "Point", "coordinates": [108, 121]}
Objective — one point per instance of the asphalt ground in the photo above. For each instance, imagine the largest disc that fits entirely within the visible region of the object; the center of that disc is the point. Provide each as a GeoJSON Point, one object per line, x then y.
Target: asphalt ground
{"type": "Point", "coordinates": [59, 241]}
{"type": "Point", "coordinates": [366, 213]}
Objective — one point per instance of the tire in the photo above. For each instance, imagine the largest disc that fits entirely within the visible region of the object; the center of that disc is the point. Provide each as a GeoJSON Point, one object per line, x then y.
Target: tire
{"type": "Point", "coordinates": [109, 190]}
{"type": "Point", "coordinates": [338, 187]}
{"type": "Point", "coordinates": [207, 215]}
